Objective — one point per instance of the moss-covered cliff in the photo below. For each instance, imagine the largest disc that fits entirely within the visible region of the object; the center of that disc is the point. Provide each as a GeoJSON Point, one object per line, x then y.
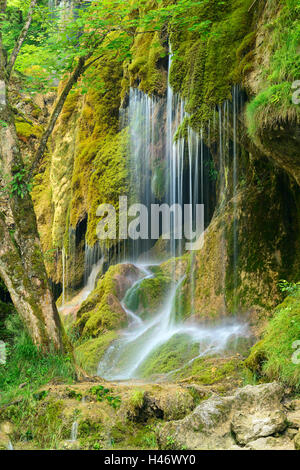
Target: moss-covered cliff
{"type": "Point", "coordinates": [235, 73]}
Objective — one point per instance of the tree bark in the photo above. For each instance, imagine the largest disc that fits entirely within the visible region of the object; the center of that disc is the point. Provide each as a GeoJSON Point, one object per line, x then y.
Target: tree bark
{"type": "Point", "coordinates": [21, 261]}
{"type": "Point", "coordinates": [21, 38]}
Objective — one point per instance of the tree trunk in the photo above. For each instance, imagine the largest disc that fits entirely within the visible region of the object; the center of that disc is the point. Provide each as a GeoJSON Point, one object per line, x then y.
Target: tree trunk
{"type": "Point", "coordinates": [21, 262]}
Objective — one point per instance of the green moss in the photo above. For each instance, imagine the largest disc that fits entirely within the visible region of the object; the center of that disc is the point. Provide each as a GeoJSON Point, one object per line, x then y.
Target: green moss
{"type": "Point", "coordinates": [147, 296]}
{"type": "Point", "coordinates": [146, 66]}
{"type": "Point", "coordinates": [205, 68]}
{"type": "Point", "coordinates": [108, 180]}
{"type": "Point", "coordinates": [89, 353]}
{"type": "Point", "coordinates": [272, 357]}
{"type": "Point", "coordinates": [169, 357]}
{"type": "Point", "coordinates": [102, 311]}
{"type": "Point", "coordinates": [273, 104]}
{"type": "Point", "coordinates": [25, 130]}
{"type": "Point", "coordinates": [97, 143]}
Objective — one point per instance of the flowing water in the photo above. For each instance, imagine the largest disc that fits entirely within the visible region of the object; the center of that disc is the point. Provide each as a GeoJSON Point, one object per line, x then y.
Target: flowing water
{"type": "Point", "coordinates": [74, 431]}
{"type": "Point", "coordinates": [175, 169]}
{"type": "Point", "coordinates": [142, 338]}
{"type": "Point", "coordinates": [10, 446]}
{"type": "Point", "coordinates": [187, 181]}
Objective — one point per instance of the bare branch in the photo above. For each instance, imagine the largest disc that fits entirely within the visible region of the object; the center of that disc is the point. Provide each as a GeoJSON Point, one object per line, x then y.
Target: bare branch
{"type": "Point", "coordinates": [21, 38]}
{"type": "Point", "coordinates": [252, 5]}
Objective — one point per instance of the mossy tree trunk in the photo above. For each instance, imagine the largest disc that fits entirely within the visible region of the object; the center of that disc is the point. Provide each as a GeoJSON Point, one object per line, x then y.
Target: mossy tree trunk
{"type": "Point", "coordinates": [21, 261]}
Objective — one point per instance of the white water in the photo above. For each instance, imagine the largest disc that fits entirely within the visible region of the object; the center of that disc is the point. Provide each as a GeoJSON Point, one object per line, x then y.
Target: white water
{"type": "Point", "coordinates": [74, 431]}
{"type": "Point", "coordinates": [10, 446]}
{"type": "Point", "coordinates": [142, 337]}
{"type": "Point", "coordinates": [186, 182]}
{"type": "Point", "coordinates": [91, 282]}
{"type": "Point", "coordinates": [73, 305]}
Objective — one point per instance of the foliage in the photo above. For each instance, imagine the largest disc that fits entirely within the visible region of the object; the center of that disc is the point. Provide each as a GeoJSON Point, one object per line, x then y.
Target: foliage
{"type": "Point", "coordinates": [290, 288]}
{"type": "Point", "coordinates": [18, 185]}
{"type": "Point", "coordinates": [273, 103]}
{"type": "Point", "coordinates": [101, 393]}
{"type": "Point", "coordinates": [59, 37]}
{"type": "Point", "coordinates": [272, 357]}
{"type": "Point", "coordinates": [27, 365]}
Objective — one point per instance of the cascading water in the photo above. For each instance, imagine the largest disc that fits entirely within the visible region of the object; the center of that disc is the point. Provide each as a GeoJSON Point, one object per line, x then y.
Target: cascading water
{"type": "Point", "coordinates": [74, 431]}
{"type": "Point", "coordinates": [10, 446]}
{"type": "Point", "coordinates": [187, 171]}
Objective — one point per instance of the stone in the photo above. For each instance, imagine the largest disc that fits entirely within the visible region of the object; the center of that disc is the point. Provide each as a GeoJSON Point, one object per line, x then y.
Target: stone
{"type": "Point", "coordinates": [259, 412]}
{"type": "Point", "coordinates": [291, 433]}
{"type": "Point", "coordinates": [270, 443]}
{"type": "Point", "coordinates": [293, 405]}
{"type": "Point", "coordinates": [6, 428]}
{"type": "Point", "coordinates": [297, 441]}
{"type": "Point", "coordinates": [248, 427]}
{"type": "Point", "coordinates": [207, 427]}
{"type": "Point", "coordinates": [253, 412]}
{"type": "Point", "coordinates": [293, 419]}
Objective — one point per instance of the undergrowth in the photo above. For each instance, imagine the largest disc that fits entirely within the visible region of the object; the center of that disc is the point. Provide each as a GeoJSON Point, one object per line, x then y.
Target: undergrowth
{"type": "Point", "coordinates": [26, 368]}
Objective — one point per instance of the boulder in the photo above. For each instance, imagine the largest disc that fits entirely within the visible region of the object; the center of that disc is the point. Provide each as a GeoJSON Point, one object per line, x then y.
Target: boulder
{"type": "Point", "coordinates": [293, 419]}
{"type": "Point", "coordinates": [297, 441]}
{"type": "Point", "coordinates": [253, 412]}
{"type": "Point", "coordinates": [258, 412]}
{"type": "Point", "coordinates": [207, 427]}
{"type": "Point", "coordinates": [270, 443]}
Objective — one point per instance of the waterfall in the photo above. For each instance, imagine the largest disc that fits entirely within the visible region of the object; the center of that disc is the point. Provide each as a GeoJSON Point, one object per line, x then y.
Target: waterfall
{"type": "Point", "coordinates": [92, 256]}
{"type": "Point", "coordinates": [144, 123]}
{"type": "Point", "coordinates": [10, 446]}
{"type": "Point", "coordinates": [187, 175]}
{"type": "Point", "coordinates": [124, 357]}
{"type": "Point", "coordinates": [237, 104]}
{"type": "Point", "coordinates": [74, 431]}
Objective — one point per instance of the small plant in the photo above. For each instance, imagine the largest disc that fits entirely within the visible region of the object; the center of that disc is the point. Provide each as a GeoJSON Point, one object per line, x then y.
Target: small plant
{"type": "Point", "coordinates": [291, 288]}
{"type": "Point", "coordinates": [73, 394]}
{"type": "Point", "coordinates": [170, 445]}
{"type": "Point", "coordinates": [103, 393]}
{"type": "Point", "coordinates": [40, 395]}
{"type": "Point", "coordinates": [18, 185]}
{"type": "Point", "coordinates": [212, 172]}
{"type": "Point", "coordinates": [137, 398]}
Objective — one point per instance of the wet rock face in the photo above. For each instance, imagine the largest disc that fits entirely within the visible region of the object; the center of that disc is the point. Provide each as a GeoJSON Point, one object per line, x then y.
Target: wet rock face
{"type": "Point", "coordinates": [252, 413]}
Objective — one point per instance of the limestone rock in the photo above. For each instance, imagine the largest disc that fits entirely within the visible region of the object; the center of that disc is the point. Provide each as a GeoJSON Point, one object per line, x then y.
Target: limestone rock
{"type": "Point", "coordinates": [297, 441]}
{"type": "Point", "coordinates": [270, 443]}
{"type": "Point", "coordinates": [259, 412]}
{"type": "Point", "coordinates": [251, 413]}
{"type": "Point", "coordinates": [294, 419]}
{"type": "Point", "coordinates": [207, 427]}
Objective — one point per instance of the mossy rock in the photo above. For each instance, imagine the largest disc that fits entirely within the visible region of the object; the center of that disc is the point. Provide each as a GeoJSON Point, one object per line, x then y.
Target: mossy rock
{"type": "Point", "coordinates": [102, 310]}
{"type": "Point", "coordinates": [89, 353]}
{"type": "Point", "coordinates": [25, 131]}
{"type": "Point", "coordinates": [276, 356]}
{"type": "Point", "coordinates": [147, 296]}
